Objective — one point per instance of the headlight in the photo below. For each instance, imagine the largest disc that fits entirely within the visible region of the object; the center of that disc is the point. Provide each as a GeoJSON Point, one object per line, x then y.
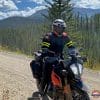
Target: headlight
{"type": "Point", "coordinates": [77, 68]}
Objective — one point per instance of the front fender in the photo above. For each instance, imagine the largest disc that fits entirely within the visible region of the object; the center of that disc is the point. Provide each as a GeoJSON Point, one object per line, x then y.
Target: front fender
{"type": "Point", "coordinates": [85, 87]}
{"type": "Point", "coordinates": [79, 85]}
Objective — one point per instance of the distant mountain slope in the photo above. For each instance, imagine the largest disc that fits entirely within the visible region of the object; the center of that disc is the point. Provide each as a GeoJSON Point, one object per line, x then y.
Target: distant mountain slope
{"type": "Point", "coordinates": [38, 18]}
{"type": "Point", "coordinates": [39, 15]}
{"type": "Point", "coordinates": [84, 11]}
{"type": "Point", "coordinates": [14, 21]}
{"type": "Point", "coordinates": [81, 11]}
{"type": "Point", "coordinates": [19, 21]}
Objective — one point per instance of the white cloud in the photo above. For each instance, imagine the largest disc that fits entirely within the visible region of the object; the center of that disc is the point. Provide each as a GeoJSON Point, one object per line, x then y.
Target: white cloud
{"type": "Point", "coordinates": [38, 1]}
{"type": "Point", "coordinates": [11, 9]}
{"type": "Point", "coordinates": [8, 5]}
{"type": "Point", "coordinates": [29, 8]}
{"type": "Point", "coordinates": [23, 13]}
{"type": "Point", "coordinates": [18, 1]}
{"type": "Point", "coordinates": [2, 15]}
{"type": "Point", "coordinates": [94, 4]}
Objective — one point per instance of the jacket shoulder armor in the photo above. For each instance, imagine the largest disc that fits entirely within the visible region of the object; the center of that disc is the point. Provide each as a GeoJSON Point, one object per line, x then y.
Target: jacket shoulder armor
{"type": "Point", "coordinates": [65, 34]}
{"type": "Point", "coordinates": [47, 35]}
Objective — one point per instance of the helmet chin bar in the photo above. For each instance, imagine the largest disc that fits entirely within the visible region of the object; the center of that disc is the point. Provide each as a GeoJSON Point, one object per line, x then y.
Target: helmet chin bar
{"type": "Point", "coordinates": [58, 30]}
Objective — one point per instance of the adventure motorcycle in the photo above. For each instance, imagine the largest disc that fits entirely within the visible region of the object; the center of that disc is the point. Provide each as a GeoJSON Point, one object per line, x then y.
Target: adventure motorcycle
{"type": "Point", "coordinates": [66, 82]}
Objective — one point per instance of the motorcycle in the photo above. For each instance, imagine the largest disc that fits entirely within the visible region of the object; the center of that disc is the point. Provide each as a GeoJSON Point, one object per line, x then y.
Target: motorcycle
{"type": "Point", "coordinates": [66, 82]}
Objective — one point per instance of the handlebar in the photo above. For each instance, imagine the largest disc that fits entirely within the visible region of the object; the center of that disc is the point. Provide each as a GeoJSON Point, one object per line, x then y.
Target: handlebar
{"type": "Point", "coordinates": [72, 55]}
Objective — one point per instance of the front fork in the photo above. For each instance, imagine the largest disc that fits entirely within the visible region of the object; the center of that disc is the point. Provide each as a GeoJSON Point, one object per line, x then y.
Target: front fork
{"type": "Point", "coordinates": [63, 93]}
{"type": "Point", "coordinates": [67, 91]}
{"type": "Point", "coordinates": [79, 88]}
{"type": "Point", "coordinates": [81, 85]}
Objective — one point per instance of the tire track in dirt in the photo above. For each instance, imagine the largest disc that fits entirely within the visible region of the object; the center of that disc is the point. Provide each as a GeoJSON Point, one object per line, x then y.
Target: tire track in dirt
{"type": "Point", "coordinates": [17, 83]}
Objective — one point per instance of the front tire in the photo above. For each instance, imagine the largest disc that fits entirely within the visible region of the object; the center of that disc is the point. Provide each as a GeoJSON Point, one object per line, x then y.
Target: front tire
{"type": "Point", "coordinates": [81, 96]}
{"type": "Point", "coordinates": [85, 96]}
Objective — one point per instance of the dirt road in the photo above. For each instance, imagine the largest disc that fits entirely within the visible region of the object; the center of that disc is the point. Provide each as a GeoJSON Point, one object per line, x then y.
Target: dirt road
{"type": "Point", "coordinates": [17, 83]}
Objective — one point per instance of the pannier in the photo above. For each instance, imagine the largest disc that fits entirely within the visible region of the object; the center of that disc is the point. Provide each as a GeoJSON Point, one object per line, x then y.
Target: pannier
{"type": "Point", "coordinates": [36, 69]}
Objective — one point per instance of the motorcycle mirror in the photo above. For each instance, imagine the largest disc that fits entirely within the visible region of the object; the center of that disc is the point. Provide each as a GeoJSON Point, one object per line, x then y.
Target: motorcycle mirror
{"type": "Point", "coordinates": [81, 49]}
{"type": "Point", "coordinates": [84, 59]}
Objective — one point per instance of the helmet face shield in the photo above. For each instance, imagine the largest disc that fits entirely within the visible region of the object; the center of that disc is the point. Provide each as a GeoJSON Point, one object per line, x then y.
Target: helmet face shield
{"type": "Point", "coordinates": [61, 26]}
{"type": "Point", "coordinates": [59, 29]}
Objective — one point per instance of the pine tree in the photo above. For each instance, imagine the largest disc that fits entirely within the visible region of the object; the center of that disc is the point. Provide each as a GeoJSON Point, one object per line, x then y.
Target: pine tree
{"type": "Point", "coordinates": [59, 9]}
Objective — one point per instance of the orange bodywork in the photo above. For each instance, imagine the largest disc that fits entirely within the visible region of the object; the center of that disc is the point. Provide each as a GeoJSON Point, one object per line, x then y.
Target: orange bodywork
{"type": "Point", "coordinates": [67, 89]}
{"type": "Point", "coordinates": [56, 79]}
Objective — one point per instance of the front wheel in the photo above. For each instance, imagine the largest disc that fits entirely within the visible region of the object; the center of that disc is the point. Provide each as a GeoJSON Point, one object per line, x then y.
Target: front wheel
{"type": "Point", "coordinates": [81, 96]}
{"type": "Point", "coordinates": [85, 96]}
{"type": "Point", "coordinates": [59, 95]}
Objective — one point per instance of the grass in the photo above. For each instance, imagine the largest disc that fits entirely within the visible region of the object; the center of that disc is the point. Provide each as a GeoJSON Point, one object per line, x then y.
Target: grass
{"type": "Point", "coordinates": [17, 51]}
{"type": "Point", "coordinates": [96, 67]}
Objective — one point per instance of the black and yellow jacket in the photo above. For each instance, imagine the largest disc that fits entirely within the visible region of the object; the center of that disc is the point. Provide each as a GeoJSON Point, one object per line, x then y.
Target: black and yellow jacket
{"type": "Point", "coordinates": [56, 43]}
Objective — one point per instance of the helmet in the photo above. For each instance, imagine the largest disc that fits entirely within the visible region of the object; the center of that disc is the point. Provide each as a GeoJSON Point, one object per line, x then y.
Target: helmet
{"type": "Point", "coordinates": [59, 23]}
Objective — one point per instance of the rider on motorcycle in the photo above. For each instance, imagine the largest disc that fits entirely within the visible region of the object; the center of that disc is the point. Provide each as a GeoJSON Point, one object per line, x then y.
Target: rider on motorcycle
{"type": "Point", "coordinates": [55, 41]}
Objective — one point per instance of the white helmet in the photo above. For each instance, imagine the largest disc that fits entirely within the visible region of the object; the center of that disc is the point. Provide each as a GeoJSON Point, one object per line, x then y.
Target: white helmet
{"type": "Point", "coordinates": [59, 23]}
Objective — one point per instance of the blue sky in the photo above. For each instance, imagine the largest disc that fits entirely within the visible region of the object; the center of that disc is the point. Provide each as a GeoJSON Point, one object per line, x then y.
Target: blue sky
{"type": "Point", "coordinates": [26, 3]}
{"type": "Point", "coordinates": [28, 7]}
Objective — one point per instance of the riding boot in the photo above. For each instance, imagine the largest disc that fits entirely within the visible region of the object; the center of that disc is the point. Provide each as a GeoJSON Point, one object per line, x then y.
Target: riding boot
{"type": "Point", "coordinates": [38, 81]}
{"type": "Point", "coordinates": [42, 87]}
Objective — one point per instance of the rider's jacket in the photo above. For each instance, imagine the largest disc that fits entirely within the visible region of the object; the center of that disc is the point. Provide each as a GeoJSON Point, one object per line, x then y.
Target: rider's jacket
{"type": "Point", "coordinates": [56, 43]}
